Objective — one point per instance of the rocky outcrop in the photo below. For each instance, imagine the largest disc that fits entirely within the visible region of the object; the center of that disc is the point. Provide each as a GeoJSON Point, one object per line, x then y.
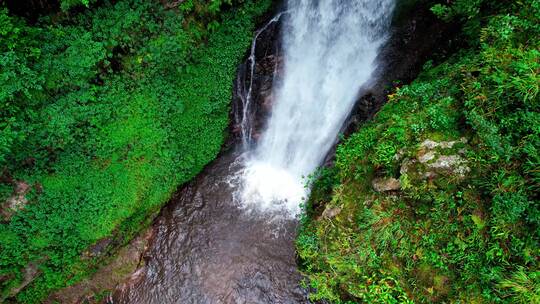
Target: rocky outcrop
{"type": "Point", "coordinates": [17, 201]}
{"type": "Point", "coordinates": [267, 68]}
{"type": "Point", "coordinates": [123, 267]}
{"type": "Point", "coordinates": [434, 159]}
{"type": "Point", "coordinates": [99, 248]}
{"type": "Point", "coordinates": [386, 184]}
{"type": "Point", "coordinates": [330, 212]}
{"type": "Point", "coordinates": [431, 160]}
{"type": "Point", "coordinates": [29, 274]}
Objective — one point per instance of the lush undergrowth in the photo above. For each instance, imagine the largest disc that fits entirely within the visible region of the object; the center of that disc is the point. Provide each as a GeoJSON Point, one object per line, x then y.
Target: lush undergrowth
{"type": "Point", "coordinates": [437, 198]}
{"type": "Point", "coordinates": [103, 113]}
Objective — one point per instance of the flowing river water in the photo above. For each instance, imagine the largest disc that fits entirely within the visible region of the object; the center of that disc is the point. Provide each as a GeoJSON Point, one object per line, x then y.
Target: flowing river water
{"type": "Point", "coordinates": [228, 236]}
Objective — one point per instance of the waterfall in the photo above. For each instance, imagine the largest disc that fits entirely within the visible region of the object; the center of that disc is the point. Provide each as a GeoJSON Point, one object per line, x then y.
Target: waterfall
{"type": "Point", "coordinates": [329, 48]}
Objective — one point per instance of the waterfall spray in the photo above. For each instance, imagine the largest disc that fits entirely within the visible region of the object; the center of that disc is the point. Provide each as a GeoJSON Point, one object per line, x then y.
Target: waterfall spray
{"type": "Point", "coordinates": [330, 47]}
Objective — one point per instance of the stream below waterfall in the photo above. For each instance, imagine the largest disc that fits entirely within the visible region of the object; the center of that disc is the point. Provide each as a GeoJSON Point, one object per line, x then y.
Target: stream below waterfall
{"type": "Point", "coordinates": [228, 236]}
{"type": "Point", "coordinates": [206, 250]}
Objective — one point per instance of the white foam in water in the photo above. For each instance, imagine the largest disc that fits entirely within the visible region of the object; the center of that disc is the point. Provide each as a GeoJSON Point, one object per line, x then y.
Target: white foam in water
{"type": "Point", "coordinates": [272, 188]}
{"type": "Point", "coordinates": [330, 48]}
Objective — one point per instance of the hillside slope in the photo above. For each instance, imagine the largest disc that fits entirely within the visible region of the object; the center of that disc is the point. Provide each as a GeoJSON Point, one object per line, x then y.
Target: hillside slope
{"type": "Point", "coordinates": [104, 111]}
{"type": "Point", "coordinates": [436, 199]}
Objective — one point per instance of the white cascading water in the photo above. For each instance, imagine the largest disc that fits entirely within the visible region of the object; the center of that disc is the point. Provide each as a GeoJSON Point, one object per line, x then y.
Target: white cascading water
{"type": "Point", "coordinates": [330, 47]}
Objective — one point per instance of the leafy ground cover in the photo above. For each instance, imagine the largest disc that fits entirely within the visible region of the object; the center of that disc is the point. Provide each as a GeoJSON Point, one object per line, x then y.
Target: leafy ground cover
{"type": "Point", "coordinates": [103, 113]}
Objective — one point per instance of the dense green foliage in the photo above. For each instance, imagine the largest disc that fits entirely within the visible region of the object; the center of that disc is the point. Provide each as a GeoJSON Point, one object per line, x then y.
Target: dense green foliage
{"type": "Point", "coordinates": [202, 7]}
{"type": "Point", "coordinates": [468, 234]}
{"type": "Point", "coordinates": [104, 113]}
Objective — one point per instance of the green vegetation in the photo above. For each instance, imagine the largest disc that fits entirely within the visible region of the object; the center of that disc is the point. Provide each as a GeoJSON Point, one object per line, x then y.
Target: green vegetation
{"type": "Point", "coordinates": [103, 113]}
{"type": "Point", "coordinates": [462, 142]}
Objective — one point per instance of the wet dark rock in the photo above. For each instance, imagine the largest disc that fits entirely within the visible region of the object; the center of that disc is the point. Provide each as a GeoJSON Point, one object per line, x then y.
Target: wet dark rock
{"type": "Point", "coordinates": [268, 68]}
{"type": "Point", "coordinates": [99, 248]}
{"type": "Point", "coordinates": [416, 35]}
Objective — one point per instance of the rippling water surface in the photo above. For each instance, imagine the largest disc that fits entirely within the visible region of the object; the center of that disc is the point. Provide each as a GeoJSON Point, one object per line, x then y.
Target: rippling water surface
{"type": "Point", "coordinates": [208, 250]}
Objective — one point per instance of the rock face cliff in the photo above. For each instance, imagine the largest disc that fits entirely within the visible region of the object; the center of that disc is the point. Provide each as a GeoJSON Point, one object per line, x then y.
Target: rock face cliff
{"type": "Point", "coordinates": [416, 35]}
